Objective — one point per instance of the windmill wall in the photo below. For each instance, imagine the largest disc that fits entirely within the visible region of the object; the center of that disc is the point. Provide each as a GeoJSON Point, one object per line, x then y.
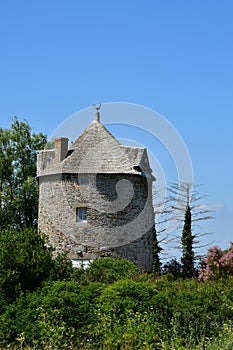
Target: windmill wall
{"type": "Point", "coordinates": [109, 231]}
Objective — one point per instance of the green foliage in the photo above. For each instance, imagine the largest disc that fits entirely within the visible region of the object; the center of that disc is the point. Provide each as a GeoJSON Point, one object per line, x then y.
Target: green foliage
{"type": "Point", "coordinates": [224, 340]}
{"type": "Point", "coordinates": [126, 295]}
{"type": "Point", "coordinates": [156, 250]}
{"type": "Point", "coordinates": [109, 270]}
{"type": "Point", "coordinates": [125, 316]}
{"type": "Point", "coordinates": [174, 268]}
{"type": "Point", "coordinates": [25, 262]}
{"type": "Point", "coordinates": [62, 268]}
{"type": "Point", "coordinates": [18, 187]}
{"type": "Point", "coordinates": [53, 316]}
{"type": "Point", "coordinates": [161, 314]}
{"type": "Point", "coordinates": [187, 245]}
{"type": "Point", "coordinates": [136, 332]}
{"type": "Point", "coordinates": [143, 312]}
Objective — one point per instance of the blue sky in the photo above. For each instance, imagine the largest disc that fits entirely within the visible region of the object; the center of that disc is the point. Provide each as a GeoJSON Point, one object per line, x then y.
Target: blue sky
{"type": "Point", "coordinates": [175, 57]}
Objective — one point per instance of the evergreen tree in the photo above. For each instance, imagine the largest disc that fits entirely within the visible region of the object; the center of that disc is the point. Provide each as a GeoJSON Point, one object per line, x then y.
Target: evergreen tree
{"type": "Point", "coordinates": [187, 238]}
{"type": "Point", "coordinates": [156, 250]}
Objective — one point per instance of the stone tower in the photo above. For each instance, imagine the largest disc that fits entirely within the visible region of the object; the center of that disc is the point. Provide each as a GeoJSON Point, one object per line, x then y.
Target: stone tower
{"type": "Point", "coordinates": [96, 198]}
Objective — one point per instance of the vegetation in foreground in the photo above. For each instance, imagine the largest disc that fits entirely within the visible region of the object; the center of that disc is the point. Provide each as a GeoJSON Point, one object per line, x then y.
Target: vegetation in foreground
{"type": "Point", "coordinates": [45, 304]}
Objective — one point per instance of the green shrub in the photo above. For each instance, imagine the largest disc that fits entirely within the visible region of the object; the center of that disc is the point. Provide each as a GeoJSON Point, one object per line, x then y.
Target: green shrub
{"type": "Point", "coordinates": [56, 315]}
{"type": "Point", "coordinates": [141, 312]}
{"type": "Point", "coordinates": [172, 314]}
{"type": "Point", "coordinates": [109, 270]}
{"type": "Point", "coordinates": [126, 316]}
{"type": "Point", "coordinates": [25, 262]}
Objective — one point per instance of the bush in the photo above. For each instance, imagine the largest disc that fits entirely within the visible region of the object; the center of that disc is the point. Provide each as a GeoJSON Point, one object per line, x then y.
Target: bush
{"type": "Point", "coordinates": [217, 264]}
{"type": "Point", "coordinates": [55, 316]}
{"type": "Point", "coordinates": [106, 270]}
{"type": "Point", "coordinates": [140, 312]}
{"type": "Point", "coordinates": [122, 316]}
{"type": "Point", "coordinates": [163, 315]}
{"type": "Point", "coordinates": [223, 341]}
{"type": "Point", "coordinates": [25, 262]}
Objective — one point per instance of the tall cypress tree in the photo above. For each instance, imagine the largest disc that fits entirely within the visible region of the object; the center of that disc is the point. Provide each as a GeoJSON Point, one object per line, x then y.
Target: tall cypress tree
{"type": "Point", "coordinates": [156, 250]}
{"type": "Point", "coordinates": [187, 238]}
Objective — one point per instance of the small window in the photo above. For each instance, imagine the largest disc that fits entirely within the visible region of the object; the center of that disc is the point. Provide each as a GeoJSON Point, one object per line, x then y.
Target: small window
{"type": "Point", "coordinates": [83, 181]}
{"type": "Point", "coordinates": [81, 214]}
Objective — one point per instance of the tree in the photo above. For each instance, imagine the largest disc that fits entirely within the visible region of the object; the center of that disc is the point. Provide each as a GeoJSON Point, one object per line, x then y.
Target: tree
{"type": "Point", "coordinates": [18, 186]}
{"type": "Point", "coordinates": [161, 215]}
{"type": "Point", "coordinates": [186, 207]}
{"type": "Point", "coordinates": [26, 260]}
{"type": "Point", "coordinates": [173, 267]}
{"type": "Point", "coordinates": [6, 176]}
{"type": "Point", "coordinates": [156, 250]}
{"type": "Point", "coordinates": [187, 240]}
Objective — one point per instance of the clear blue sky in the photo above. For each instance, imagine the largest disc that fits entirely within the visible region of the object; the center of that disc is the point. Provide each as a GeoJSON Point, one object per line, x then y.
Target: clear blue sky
{"type": "Point", "coordinates": [176, 57]}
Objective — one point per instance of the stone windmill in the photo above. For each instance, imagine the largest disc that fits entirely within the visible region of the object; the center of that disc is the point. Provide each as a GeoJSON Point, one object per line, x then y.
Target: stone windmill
{"type": "Point", "coordinates": [96, 198]}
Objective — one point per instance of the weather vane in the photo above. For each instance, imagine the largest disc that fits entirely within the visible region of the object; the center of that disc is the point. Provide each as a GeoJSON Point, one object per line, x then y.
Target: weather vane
{"type": "Point", "coordinates": [97, 114]}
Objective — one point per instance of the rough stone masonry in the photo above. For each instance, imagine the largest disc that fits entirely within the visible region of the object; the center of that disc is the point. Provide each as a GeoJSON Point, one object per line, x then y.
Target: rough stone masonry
{"type": "Point", "coordinates": [96, 198]}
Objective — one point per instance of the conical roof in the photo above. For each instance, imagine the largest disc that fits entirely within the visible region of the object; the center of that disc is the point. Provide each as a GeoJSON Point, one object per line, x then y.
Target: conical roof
{"type": "Point", "coordinates": [96, 150]}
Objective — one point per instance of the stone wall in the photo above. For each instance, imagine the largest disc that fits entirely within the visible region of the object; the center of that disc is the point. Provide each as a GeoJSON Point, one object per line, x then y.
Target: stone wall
{"type": "Point", "coordinates": [44, 159]}
{"type": "Point", "coordinates": [119, 216]}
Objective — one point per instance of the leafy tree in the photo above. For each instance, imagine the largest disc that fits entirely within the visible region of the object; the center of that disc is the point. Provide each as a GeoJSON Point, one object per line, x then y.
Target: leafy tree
{"type": "Point", "coordinates": [18, 187]}
{"type": "Point", "coordinates": [25, 262]}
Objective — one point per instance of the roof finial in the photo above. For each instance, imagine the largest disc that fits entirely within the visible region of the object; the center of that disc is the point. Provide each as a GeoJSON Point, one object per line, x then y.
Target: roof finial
{"type": "Point", "coordinates": [97, 113]}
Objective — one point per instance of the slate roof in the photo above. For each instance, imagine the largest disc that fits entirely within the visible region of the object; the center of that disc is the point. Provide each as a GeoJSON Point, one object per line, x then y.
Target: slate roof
{"type": "Point", "coordinates": [96, 150]}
